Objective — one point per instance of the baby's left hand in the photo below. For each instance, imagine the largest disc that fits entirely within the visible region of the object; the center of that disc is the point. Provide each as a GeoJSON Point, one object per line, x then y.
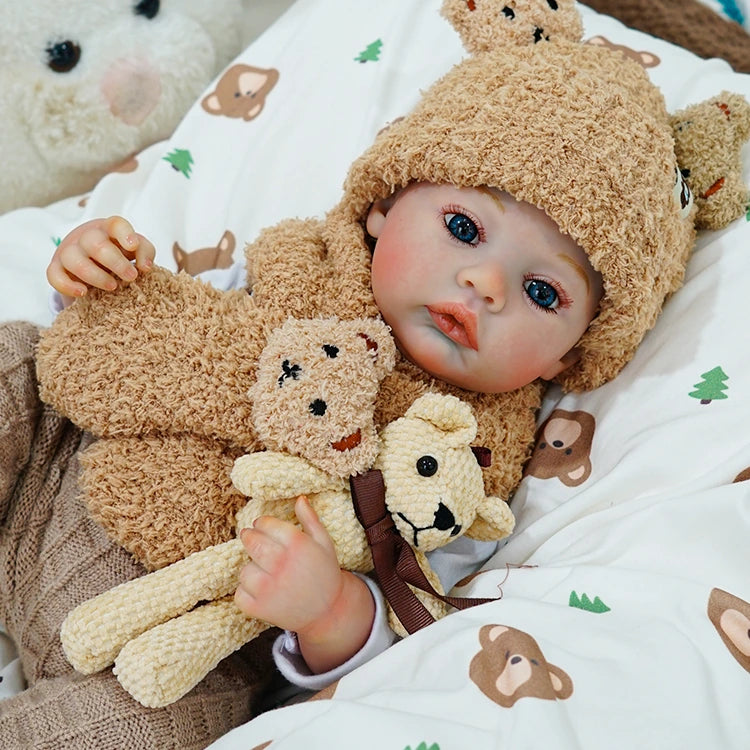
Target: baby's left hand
{"type": "Point", "coordinates": [293, 577]}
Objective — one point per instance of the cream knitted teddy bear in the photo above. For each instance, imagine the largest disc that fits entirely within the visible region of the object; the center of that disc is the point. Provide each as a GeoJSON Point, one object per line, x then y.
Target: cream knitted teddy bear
{"type": "Point", "coordinates": [160, 641]}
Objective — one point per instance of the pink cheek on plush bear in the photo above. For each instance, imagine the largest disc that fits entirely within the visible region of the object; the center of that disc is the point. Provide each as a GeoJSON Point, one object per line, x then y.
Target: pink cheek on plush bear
{"type": "Point", "coordinates": [133, 89]}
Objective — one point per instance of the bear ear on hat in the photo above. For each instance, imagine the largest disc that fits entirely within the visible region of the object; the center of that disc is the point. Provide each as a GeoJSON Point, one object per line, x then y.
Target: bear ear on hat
{"type": "Point", "coordinates": [486, 25]}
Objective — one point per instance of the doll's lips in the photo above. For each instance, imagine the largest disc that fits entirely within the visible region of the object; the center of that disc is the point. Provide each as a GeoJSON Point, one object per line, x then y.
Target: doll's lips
{"type": "Point", "coordinates": [349, 442]}
{"type": "Point", "coordinates": [457, 322]}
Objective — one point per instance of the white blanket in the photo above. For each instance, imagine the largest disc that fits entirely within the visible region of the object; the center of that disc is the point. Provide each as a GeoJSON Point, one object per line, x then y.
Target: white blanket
{"type": "Point", "coordinates": [607, 581]}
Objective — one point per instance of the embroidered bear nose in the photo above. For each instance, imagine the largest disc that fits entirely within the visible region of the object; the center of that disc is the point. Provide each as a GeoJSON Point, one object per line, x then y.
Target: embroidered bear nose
{"type": "Point", "coordinates": [444, 520]}
{"type": "Point", "coordinates": [318, 407]}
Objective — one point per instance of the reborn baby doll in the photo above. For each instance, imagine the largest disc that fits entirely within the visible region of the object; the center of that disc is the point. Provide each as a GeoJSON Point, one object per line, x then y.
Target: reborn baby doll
{"type": "Point", "coordinates": [160, 369]}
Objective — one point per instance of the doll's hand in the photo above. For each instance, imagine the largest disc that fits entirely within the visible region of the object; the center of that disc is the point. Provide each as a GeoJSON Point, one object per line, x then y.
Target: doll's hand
{"type": "Point", "coordinates": [97, 254]}
{"type": "Point", "coordinates": [294, 581]}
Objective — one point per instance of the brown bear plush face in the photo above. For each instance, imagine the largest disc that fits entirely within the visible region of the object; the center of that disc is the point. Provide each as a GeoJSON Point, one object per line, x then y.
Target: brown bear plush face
{"type": "Point", "coordinates": [316, 389]}
{"type": "Point", "coordinates": [487, 24]}
{"type": "Point", "coordinates": [511, 666]}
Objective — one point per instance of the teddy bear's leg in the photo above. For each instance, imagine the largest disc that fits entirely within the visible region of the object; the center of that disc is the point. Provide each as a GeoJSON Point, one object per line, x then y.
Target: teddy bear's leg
{"type": "Point", "coordinates": [93, 712]}
{"type": "Point", "coordinates": [164, 663]}
{"type": "Point", "coordinates": [95, 631]}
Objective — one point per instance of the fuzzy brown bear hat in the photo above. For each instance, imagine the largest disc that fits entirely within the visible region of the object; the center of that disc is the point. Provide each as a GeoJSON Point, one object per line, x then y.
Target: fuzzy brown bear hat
{"type": "Point", "coordinates": [574, 129]}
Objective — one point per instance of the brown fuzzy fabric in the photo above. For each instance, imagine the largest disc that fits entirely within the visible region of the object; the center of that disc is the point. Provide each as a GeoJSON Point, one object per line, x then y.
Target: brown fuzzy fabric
{"type": "Point", "coordinates": [688, 23]}
{"type": "Point", "coordinates": [54, 556]}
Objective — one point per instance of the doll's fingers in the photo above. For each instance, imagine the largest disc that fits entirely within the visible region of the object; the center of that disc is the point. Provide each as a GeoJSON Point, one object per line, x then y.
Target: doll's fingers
{"type": "Point", "coordinates": [144, 254]}
{"type": "Point", "coordinates": [121, 232]}
{"type": "Point", "coordinates": [96, 245]}
{"type": "Point", "coordinates": [245, 601]}
{"type": "Point", "coordinates": [84, 269]}
{"type": "Point", "coordinates": [311, 524]}
{"type": "Point", "coordinates": [264, 551]}
{"type": "Point", "coordinates": [63, 283]}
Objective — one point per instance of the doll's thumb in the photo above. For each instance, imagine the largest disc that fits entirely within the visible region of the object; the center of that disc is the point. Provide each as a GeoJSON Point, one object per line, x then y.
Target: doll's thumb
{"type": "Point", "coordinates": [310, 522]}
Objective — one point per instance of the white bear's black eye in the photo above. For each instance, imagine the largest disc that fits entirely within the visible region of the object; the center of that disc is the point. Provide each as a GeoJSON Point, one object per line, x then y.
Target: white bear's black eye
{"type": "Point", "coordinates": [318, 407]}
{"type": "Point", "coordinates": [552, 4]}
{"type": "Point", "coordinates": [62, 57]}
{"type": "Point", "coordinates": [148, 8]}
{"type": "Point", "coordinates": [427, 466]}
{"type": "Point", "coordinates": [331, 350]}
{"type": "Point", "coordinates": [508, 12]}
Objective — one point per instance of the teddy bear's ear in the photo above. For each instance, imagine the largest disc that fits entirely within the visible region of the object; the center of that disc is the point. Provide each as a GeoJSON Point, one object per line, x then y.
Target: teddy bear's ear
{"type": "Point", "coordinates": [484, 25]}
{"type": "Point", "coordinates": [709, 137]}
{"type": "Point", "coordinates": [449, 414]}
{"type": "Point", "coordinates": [494, 520]}
{"type": "Point", "coordinates": [379, 341]}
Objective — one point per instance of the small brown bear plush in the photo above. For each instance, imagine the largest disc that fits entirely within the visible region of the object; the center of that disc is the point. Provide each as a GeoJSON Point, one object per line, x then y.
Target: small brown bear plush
{"type": "Point", "coordinates": [709, 137]}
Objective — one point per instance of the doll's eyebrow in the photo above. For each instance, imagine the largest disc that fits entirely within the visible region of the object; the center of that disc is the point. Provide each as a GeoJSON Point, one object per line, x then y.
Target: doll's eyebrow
{"type": "Point", "coordinates": [492, 193]}
{"type": "Point", "coordinates": [577, 268]}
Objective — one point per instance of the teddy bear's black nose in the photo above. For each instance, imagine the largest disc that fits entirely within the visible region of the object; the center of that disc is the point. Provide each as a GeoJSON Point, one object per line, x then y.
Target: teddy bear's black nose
{"type": "Point", "coordinates": [444, 520]}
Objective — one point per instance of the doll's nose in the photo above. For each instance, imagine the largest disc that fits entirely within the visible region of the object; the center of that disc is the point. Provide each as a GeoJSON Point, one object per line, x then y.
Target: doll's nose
{"type": "Point", "coordinates": [487, 281]}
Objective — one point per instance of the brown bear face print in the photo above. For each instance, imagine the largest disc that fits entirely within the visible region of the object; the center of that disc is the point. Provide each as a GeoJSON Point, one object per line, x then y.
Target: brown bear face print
{"type": "Point", "coordinates": [206, 258]}
{"type": "Point", "coordinates": [563, 448]}
{"type": "Point", "coordinates": [647, 59]}
{"type": "Point", "coordinates": [731, 618]}
{"type": "Point", "coordinates": [241, 92]}
{"type": "Point", "coordinates": [511, 666]}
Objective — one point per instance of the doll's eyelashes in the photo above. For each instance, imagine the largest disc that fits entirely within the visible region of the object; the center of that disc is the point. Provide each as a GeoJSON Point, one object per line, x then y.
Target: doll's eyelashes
{"type": "Point", "coordinates": [147, 8]}
{"type": "Point", "coordinates": [62, 57]}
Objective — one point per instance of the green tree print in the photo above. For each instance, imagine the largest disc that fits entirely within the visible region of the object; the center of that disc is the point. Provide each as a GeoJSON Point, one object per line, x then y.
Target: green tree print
{"type": "Point", "coordinates": [372, 53]}
{"type": "Point", "coordinates": [583, 602]}
{"type": "Point", "coordinates": [181, 160]}
{"type": "Point", "coordinates": [712, 386]}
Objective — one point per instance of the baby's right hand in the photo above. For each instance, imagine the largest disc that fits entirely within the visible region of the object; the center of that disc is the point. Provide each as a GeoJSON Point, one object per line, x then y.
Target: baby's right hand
{"type": "Point", "coordinates": [97, 254]}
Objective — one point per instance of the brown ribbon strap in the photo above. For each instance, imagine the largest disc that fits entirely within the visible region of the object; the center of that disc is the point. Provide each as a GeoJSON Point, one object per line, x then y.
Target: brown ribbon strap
{"type": "Point", "coordinates": [394, 560]}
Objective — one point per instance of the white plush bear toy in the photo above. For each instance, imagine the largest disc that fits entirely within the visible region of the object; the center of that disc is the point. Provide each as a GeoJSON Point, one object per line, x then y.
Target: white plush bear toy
{"type": "Point", "coordinates": [84, 85]}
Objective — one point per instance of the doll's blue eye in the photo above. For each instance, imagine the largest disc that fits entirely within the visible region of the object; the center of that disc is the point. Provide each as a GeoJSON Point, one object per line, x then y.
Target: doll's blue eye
{"type": "Point", "coordinates": [541, 293]}
{"type": "Point", "coordinates": [462, 228]}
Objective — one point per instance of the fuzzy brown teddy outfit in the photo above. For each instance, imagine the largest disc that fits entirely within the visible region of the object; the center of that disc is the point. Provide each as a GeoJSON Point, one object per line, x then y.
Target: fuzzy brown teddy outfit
{"type": "Point", "coordinates": [160, 370]}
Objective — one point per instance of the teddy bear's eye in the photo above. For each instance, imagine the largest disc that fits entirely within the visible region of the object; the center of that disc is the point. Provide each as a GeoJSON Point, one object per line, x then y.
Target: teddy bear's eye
{"type": "Point", "coordinates": [318, 407]}
{"type": "Point", "coordinates": [427, 465]}
{"type": "Point", "coordinates": [148, 8]}
{"type": "Point", "coordinates": [63, 56]}
{"type": "Point", "coordinates": [509, 12]}
{"type": "Point", "coordinates": [331, 350]}
{"type": "Point", "coordinates": [552, 4]}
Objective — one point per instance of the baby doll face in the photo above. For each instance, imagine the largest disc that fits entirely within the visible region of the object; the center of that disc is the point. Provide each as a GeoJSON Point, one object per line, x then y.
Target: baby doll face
{"type": "Point", "coordinates": [480, 290]}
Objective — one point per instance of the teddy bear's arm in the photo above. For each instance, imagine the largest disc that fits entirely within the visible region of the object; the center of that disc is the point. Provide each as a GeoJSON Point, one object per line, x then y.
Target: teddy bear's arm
{"type": "Point", "coordinates": [267, 476]}
{"type": "Point", "coordinates": [95, 631]}
{"type": "Point", "coordinates": [164, 354]}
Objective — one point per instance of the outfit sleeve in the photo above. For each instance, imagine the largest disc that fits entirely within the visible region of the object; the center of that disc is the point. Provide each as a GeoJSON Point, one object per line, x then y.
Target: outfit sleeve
{"type": "Point", "coordinates": [451, 563]}
{"type": "Point", "coordinates": [220, 278]}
